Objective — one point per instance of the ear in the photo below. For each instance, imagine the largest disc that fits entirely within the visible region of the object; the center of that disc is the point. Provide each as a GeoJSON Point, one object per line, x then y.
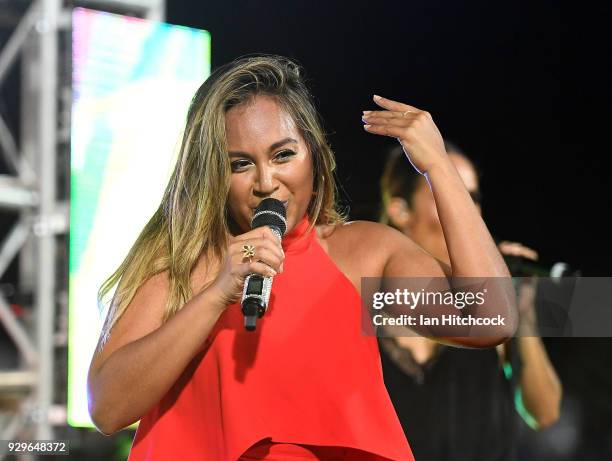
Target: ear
{"type": "Point", "coordinates": [399, 213]}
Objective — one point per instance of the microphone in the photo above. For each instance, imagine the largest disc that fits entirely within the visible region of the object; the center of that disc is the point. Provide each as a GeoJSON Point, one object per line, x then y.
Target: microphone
{"type": "Point", "coordinates": [256, 292]}
{"type": "Point", "coordinates": [522, 267]}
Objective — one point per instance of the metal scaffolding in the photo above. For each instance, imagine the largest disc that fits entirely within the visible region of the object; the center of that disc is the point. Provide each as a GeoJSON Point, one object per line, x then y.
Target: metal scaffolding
{"type": "Point", "coordinates": [31, 192]}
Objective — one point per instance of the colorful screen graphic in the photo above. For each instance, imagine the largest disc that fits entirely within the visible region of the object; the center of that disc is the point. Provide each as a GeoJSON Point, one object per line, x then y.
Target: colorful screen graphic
{"type": "Point", "coordinates": [132, 83]}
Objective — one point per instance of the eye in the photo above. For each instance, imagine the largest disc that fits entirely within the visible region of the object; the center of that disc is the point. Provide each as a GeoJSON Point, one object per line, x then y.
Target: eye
{"type": "Point", "coordinates": [239, 165]}
{"type": "Point", "coordinates": [284, 155]}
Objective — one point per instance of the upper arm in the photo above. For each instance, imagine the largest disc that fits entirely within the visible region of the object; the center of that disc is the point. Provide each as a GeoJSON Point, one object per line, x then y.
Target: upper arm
{"type": "Point", "coordinates": [407, 259]}
{"type": "Point", "coordinates": [143, 315]}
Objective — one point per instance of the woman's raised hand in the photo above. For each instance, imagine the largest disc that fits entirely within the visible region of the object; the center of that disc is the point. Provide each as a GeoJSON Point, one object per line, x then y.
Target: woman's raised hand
{"type": "Point", "coordinates": [257, 251]}
{"type": "Point", "coordinates": [413, 128]}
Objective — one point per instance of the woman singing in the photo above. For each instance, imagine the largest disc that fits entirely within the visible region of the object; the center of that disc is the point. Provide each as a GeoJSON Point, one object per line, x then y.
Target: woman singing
{"type": "Point", "coordinates": [307, 384]}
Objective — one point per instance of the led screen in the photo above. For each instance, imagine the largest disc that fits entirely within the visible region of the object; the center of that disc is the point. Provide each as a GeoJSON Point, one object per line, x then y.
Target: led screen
{"type": "Point", "coordinates": [132, 82]}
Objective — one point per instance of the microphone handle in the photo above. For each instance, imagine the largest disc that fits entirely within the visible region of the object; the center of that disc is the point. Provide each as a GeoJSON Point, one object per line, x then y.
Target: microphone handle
{"type": "Point", "coordinates": [256, 294]}
{"type": "Point", "coordinates": [520, 267]}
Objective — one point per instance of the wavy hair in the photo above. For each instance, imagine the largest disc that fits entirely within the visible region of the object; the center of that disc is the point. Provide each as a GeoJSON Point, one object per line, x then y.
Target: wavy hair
{"type": "Point", "coordinates": [195, 200]}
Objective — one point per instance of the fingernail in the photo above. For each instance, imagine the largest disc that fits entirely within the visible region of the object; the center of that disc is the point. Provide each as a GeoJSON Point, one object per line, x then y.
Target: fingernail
{"type": "Point", "coordinates": [272, 272]}
{"type": "Point", "coordinates": [377, 97]}
{"type": "Point", "coordinates": [367, 126]}
{"type": "Point", "coordinates": [367, 112]}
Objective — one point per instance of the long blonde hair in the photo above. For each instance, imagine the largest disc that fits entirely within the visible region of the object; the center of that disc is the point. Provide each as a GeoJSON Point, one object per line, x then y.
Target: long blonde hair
{"type": "Point", "coordinates": [192, 217]}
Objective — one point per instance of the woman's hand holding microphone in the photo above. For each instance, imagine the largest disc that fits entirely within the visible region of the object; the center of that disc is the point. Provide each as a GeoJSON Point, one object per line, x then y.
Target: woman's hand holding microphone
{"type": "Point", "coordinates": [267, 260]}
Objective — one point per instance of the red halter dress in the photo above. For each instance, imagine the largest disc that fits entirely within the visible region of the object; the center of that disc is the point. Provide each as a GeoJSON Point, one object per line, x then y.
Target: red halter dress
{"type": "Point", "coordinates": [306, 385]}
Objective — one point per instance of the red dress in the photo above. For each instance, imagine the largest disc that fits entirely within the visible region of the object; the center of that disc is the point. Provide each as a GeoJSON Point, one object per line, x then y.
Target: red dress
{"type": "Point", "coordinates": [307, 384]}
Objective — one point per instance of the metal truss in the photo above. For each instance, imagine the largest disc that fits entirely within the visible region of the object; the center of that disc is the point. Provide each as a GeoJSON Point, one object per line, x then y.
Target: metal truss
{"type": "Point", "coordinates": [31, 192]}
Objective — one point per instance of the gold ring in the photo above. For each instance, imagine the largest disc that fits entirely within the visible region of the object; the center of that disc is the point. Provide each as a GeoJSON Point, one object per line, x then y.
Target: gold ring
{"type": "Point", "coordinates": [248, 251]}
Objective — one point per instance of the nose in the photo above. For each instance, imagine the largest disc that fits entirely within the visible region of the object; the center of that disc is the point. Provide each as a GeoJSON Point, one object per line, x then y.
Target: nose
{"type": "Point", "coordinates": [265, 183]}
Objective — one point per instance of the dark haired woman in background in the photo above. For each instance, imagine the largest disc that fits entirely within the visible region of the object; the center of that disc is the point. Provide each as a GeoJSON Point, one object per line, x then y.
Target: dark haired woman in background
{"type": "Point", "coordinates": [467, 395]}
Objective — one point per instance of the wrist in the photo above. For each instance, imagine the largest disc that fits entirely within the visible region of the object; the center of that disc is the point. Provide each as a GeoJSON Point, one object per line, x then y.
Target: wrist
{"type": "Point", "coordinates": [213, 299]}
{"type": "Point", "coordinates": [443, 167]}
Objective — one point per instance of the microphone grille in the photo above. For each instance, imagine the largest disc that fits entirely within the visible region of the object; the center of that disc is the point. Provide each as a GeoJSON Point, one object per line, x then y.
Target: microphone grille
{"type": "Point", "coordinates": [270, 212]}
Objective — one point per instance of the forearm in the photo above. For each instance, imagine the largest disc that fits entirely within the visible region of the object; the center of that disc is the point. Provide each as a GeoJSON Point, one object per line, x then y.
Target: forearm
{"type": "Point", "coordinates": [471, 248]}
{"type": "Point", "coordinates": [139, 374]}
{"type": "Point", "coordinates": [473, 253]}
{"type": "Point", "coordinates": [540, 386]}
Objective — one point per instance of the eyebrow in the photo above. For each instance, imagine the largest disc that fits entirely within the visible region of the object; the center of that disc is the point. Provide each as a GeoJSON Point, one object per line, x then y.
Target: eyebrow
{"type": "Point", "coordinates": [272, 147]}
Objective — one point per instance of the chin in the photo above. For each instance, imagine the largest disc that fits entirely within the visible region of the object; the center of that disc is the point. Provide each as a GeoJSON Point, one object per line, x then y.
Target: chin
{"type": "Point", "coordinates": [293, 219]}
{"type": "Point", "coordinates": [290, 224]}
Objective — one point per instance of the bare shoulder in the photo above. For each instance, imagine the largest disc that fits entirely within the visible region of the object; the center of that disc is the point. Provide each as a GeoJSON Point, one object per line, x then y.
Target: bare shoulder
{"type": "Point", "coordinates": [143, 315]}
{"type": "Point", "coordinates": [360, 248]}
{"type": "Point", "coordinates": [380, 250]}
{"type": "Point", "coordinates": [372, 236]}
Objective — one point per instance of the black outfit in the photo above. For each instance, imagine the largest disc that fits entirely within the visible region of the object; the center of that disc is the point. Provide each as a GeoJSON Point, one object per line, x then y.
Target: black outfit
{"type": "Point", "coordinates": [459, 405]}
